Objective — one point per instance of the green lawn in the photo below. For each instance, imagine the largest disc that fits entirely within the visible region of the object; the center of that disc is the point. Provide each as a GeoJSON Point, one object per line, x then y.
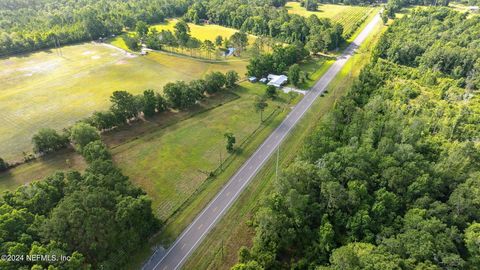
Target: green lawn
{"type": "Point", "coordinates": [39, 169]}
{"type": "Point", "coordinates": [46, 89]}
{"type": "Point", "coordinates": [203, 32]}
{"type": "Point", "coordinates": [219, 250]}
{"type": "Point", "coordinates": [315, 67]}
{"type": "Point", "coordinates": [171, 163]}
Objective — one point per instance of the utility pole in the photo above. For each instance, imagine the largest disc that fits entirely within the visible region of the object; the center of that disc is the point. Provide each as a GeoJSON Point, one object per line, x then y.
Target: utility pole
{"type": "Point", "coordinates": [55, 43]}
{"type": "Point", "coordinates": [222, 249]}
{"type": "Point", "coordinates": [221, 161]}
{"type": "Point", "coordinates": [59, 48]}
{"type": "Point", "coordinates": [276, 168]}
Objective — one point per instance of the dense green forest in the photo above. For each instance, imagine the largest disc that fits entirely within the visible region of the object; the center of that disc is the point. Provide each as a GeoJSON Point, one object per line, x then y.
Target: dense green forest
{"type": "Point", "coordinates": [28, 25]}
{"type": "Point", "coordinates": [394, 6]}
{"type": "Point", "coordinates": [391, 178]}
{"type": "Point", "coordinates": [31, 25]}
{"type": "Point", "coordinates": [97, 218]}
{"type": "Point", "coordinates": [262, 18]}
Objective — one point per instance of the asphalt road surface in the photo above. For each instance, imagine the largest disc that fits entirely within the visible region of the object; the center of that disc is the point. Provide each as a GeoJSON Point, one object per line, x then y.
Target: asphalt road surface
{"type": "Point", "coordinates": [186, 243]}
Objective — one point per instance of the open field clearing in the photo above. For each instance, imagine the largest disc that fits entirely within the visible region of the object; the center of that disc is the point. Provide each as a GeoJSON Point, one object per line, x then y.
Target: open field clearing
{"type": "Point", "coordinates": [171, 163]}
{"type": "Point", "coordinates": [203, 32]}
{"type": "Point", "coordinates": [65, 160]}
{"type": "Point", "coordinates": [350, 17]}
{"type": "Point", "coordinates": [144, 151]}
{"type": "Point", "coordinates": [46, 89]}
{"type": "Point", "coordinates": [69, 160]}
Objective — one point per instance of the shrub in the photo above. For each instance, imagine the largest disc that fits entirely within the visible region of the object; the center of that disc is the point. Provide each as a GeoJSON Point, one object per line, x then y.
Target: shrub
{"type": "Point", "coordinates": [82, 134]}
{"type": "Point", "coordinates": [47, 140]}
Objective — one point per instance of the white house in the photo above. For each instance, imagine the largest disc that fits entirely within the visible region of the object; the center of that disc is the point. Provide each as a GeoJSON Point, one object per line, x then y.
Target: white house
{"type": "Point", "coordinates": [277, 80]}
{"type": "Point", "coordinates": [474, 8]}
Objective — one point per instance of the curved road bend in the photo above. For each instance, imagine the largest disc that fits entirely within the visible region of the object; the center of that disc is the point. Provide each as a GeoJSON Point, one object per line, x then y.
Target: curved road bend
{"type": "Point", "coordinates": [190, 238]}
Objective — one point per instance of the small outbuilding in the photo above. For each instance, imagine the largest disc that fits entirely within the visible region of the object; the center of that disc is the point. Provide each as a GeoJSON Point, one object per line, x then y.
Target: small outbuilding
{"type": "Point", "coordinates": [263, 80]}
{"type": "Point", "coordinates": [474, 9]}
{"type": "Point", "coordinates": [277, 80]}
{"type": "Point", "coordinates": [229, 52]}
{"type": "Point", "coordinates": [252, 79]}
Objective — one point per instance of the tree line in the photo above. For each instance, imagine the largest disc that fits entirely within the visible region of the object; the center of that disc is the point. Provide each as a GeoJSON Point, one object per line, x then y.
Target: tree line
{"type": "Point", "coordinates": [324, 36]}
{"type": "Point", "coordinates": [126, 107]}
{"type": "Point", "coordinates": [390, 178]}
{"type": "Point", "coordinates": [182, 38]}
{"type": "Point", "coordinates": [394, 6]}
{"type": "Point", "coordinates": [266, 18]}
{"type": "Point", "coordinates": [29, 25]}
{"type": "Point", "coordinates": [97, 218]}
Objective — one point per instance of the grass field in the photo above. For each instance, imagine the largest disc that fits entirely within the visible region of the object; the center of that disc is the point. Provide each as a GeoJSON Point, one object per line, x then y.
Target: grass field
{"type": "Point", "coordinates": [315, 67]}
{"type": "Point", "coordinates": [39, 169]}
{"type": "Point", "coordinates": [220, 248]}
{"type": "Point", "coordinates": [45, 89]}
{"type": "Point", "coordinates": [171, 163]}
{"type": "Point", "coordinates": [348, 16]}
{"type": "Point", "coordinates": [203, 32]}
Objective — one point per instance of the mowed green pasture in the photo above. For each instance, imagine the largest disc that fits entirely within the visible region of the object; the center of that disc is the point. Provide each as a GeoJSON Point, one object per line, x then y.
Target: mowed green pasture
{"type": "Point", "coordinates": [49, 89]}
{"type": "Point", "coordinates": [203, 32]}
{"type": "Point", "coordinates": [39, 169]}
{"type": "Point", "coordinates": [347, 16]}
{"type": "Point", "coordinates": [171, 163]}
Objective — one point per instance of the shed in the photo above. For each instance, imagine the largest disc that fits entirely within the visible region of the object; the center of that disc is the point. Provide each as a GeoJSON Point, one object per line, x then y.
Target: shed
{"type": "Point", "coordinates": [252, 79]}
{"type": "Point", "coordinates": [474, 8]}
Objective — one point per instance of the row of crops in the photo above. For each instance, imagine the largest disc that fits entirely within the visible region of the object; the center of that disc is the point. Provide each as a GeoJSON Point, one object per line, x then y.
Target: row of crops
{"type": "Point", "coordinates": [352, 18]}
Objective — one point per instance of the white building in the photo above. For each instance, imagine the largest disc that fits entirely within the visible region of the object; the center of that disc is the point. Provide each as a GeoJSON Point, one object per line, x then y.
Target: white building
{"type": "Point", "coordinates": [474, 8]}
{"type": "Point", "coordinates": [277, 80]}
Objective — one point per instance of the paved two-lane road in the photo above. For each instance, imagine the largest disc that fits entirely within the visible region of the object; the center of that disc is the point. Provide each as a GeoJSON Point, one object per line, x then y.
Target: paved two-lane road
{"type": "Point", "coordinates": [203, 223]}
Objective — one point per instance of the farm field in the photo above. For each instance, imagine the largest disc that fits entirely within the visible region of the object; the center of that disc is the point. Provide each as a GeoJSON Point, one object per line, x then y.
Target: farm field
{"type": "Point", "coordinates": [348, 16]}
{"type": "Point", "coordinates": [171, 163]}
{"type": "Point", "coordinates": [53, 89]}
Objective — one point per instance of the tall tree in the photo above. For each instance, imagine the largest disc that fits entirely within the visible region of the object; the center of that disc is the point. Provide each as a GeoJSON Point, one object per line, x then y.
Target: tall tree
{"type": "Point", "coordinates": [141, 28]}
{"type": "Point", "coordinates": [124, 105]}
{"type": "Point", "coordinates": [47, 140]}
{"type": "Point", "coordinates": [230, 142]}
{"type": "Point", "coordinates": [82, 134]}
{"type": "Point", "coordinates": [231, 78]}
{"type": "Point", "coordinates": [260, 105]}
{"type": "Point", "coordinates": [3, 165]}
{"type": "Point", "coordinates": [182, 32]}
{"type": "Point", "coordinates": [150, 103]}
{"type": "Point", "coordinates": [294, 74]}
{"type": "Point", "coordinates": [209, 47]}
{"type": "Point", "coordinates": [215, 81]}
{"type": "Point", "coordinates": [218, 41]}
{"type": "Point", "coordinates": [239, 41]}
